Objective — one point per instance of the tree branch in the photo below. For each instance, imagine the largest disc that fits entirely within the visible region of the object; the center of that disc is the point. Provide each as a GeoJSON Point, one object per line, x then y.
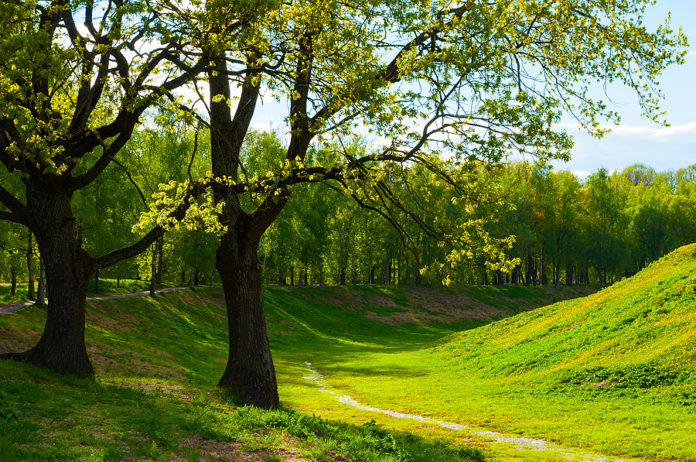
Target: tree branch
{"type": "Point", "coordinates": [9, 216]}
{"type": "Point", "coordinates": [127, 252]}
{"type": "Point", "coordinates": [12, 203]}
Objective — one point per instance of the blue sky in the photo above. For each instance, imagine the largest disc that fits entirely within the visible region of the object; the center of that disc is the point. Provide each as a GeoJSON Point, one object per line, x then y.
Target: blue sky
{"type": "Point", "coordinates": [638, 140]}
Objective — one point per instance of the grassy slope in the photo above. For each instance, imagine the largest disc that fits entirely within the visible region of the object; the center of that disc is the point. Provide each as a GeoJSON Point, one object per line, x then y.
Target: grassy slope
{"type": "Point", "coordinates": [157, 361]}
{"type": "Point", "coordinates": [613, 372]}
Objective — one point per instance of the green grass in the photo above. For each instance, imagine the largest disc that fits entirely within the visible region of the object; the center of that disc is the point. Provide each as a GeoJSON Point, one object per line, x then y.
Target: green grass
{"type": "Point", "coordinates": [610, 373]}
{"type": "Point", "coordinates": [154, 396]}
{"type": "Point", "coordinates": [7, 297]}
{"type": "Point", "coordinates": [125, 286]}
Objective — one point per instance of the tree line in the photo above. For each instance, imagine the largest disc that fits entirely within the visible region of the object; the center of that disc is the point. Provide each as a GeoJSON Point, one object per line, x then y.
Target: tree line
{"type": "Point", "coordinates": [567, 230]}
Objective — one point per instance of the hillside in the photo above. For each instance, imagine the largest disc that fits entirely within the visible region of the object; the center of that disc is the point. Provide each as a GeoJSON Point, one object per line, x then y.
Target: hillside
{"type": "Point", "coordinates": [643, 325]}
{"type": "Point", "coordinates": [507, 370]}
{"type": "Point", "coordinates": [610, 373]}
{"type": "Point", "coordinates": [157, 361]}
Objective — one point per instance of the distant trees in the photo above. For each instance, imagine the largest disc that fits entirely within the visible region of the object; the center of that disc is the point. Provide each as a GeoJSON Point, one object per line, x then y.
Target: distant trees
{"type": "Point", "coordinates": [567, 231]}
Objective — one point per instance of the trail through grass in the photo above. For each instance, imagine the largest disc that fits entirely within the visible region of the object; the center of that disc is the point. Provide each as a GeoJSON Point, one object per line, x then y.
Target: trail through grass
{"type": "Point", "coordinates": [612, 373]}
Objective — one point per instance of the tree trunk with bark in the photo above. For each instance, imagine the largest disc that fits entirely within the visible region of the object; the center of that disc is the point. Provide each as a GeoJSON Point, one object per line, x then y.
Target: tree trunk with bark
{"type": "Point", "coordinates": [13, 280]}
{"type": "Point", "coordinates": [354, 274]}
{"type": "Point", "coordinates": [159, 244]}
{"type": "Point", "coordinates": [153, 271]}
{"type": "Point", "coordinates": [68, 267]}
{"type": "Point", "coordinates": [249, 373]}
{"type": "Point", "coordinates": [41, 287]}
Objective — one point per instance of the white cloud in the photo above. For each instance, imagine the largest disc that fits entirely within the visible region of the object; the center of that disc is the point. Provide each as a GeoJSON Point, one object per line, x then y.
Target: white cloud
{"type": "Point", "coordinates": [643, 131]}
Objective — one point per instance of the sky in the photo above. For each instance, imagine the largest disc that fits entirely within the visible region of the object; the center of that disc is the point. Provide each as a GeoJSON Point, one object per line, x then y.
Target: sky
{"type": "Point", "coordinates": [636, 139]}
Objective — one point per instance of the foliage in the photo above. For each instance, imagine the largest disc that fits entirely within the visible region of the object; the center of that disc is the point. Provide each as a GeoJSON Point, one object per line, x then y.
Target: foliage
{"type": "Point", "coordinates": [565, 230]}
{"type": "Point", "coordinates": [505, 375]}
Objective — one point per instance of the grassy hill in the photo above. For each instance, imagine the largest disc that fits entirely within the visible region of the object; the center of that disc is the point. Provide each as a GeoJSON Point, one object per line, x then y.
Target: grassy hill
{"type": "Point", "coordinates": [646, 322]}
{"type": "Point", "coordinates": [157, 362]}
{"type": "Point", "coordinates": [611, 373]}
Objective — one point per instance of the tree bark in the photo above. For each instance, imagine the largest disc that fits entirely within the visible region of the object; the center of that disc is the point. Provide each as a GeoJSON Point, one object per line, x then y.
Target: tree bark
{"type": "Point", "coordinates": [68, 267]}
{"type": "Point", "coordinates": [354, 275]}
{"type": "Point", "coordinates": [41, 288]}
{"type": "Point", "coordinates": [159, 244]}
{"type": "Point", "coordinates": [13, 280]}
{"type": "Point", "coordinates": [249, 372]}
{"type": "Point", "coordinates": [153, 271]}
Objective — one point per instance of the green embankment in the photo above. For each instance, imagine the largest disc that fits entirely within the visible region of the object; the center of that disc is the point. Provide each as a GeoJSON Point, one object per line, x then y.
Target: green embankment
{"type": "Point", "coordinates": [611, 373]}
{"type": "Point", "coordinates": [157, 362]}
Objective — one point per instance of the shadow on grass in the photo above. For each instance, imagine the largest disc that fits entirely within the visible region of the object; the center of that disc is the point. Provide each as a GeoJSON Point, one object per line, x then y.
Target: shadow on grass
{"type": "Point", "coordinates": [44, 416]}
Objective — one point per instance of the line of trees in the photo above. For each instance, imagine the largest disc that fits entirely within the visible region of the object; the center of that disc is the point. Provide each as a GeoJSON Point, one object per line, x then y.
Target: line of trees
{"type": "Point", "coordinates": [567, 231]}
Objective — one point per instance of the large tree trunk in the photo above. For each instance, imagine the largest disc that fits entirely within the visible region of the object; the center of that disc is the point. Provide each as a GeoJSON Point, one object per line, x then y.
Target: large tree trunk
{"type": "Point", "coordinates": [250, 372]}
{"type": "Point", "coordinates": [68, 267]}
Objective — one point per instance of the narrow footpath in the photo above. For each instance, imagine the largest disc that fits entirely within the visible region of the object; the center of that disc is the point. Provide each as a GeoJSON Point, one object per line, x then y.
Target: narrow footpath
{"type": "Point", "coordinates": [19, 306]}
{"type": "Point", "coordinates": [490, 437]}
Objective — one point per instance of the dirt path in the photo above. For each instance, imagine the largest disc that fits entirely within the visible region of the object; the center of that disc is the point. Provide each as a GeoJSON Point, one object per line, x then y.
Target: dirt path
{"type": "Point", "coordinates": [490, 436]}
{"type": "Point", "coordinates": [19, 306]}
{"type": "Point", "coordinates": [14, 307]}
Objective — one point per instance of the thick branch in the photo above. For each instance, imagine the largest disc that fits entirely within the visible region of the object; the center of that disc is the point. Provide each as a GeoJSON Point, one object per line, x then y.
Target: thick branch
{"type": "Point", "coordinates": [11, 202]}
{"type": "Point", "coordinates": [131, 251]}
{"type": "Point", "coordinates": [9, 216]}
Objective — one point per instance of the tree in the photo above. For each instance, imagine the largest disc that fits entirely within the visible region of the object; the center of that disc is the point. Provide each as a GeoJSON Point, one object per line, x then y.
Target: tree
{"type": "Point", "coordinates": [473, 79]}
{"type": "Point", "coordinates": [70, 98]}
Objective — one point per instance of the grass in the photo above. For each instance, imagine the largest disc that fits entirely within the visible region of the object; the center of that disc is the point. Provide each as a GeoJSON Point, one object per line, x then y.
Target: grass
{"type": "Point", "coordinates": [154, 397]}
{"type": "Point", "coordinates": [7, 297]}
{"type": "Point", "coordinates": [610, 373]}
